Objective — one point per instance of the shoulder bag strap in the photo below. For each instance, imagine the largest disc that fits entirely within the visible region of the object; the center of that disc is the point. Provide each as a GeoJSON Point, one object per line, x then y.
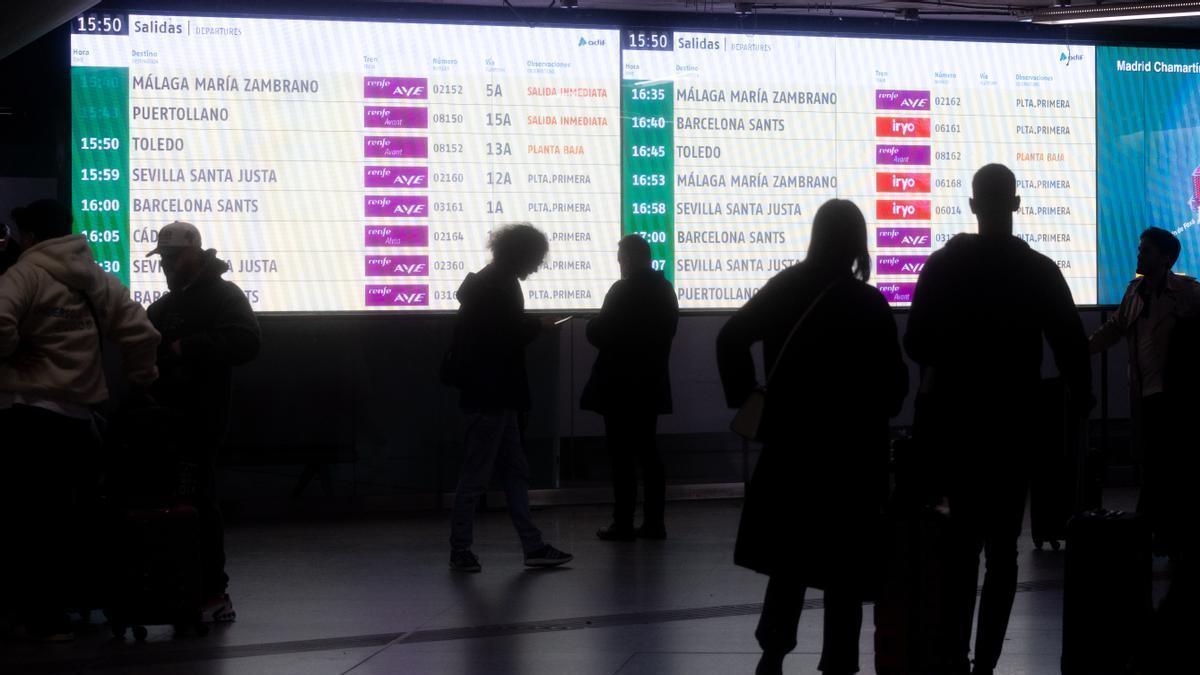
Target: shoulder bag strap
{"type": "Point", "coordinates": [795, 328]}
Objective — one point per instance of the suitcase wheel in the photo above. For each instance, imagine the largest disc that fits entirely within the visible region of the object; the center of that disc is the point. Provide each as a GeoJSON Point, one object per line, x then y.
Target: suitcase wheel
{"type": "Point", "coordinates": [140, 633]}
{"type": "Point", "coordinates": [1038, 544]}
{"type": "Point", "coordinates": [1055, 545]}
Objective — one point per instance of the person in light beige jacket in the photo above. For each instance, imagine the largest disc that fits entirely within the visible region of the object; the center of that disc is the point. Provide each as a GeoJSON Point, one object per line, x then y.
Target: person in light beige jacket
{"type": "Point", "coordinates": [56, 305]}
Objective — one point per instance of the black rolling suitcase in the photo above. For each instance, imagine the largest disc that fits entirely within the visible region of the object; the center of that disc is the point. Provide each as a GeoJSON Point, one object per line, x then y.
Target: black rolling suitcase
{"type": "Point", "coordinates": [155, 575]}
{"type": "Point", "coordinates": [1107, 594]}
{"type": "Point", "coordinates": [157, 579]}
{"type": "Point", "coordinates": [913, 626]}
{"type": "Point", "coordinates": [1050, 488]}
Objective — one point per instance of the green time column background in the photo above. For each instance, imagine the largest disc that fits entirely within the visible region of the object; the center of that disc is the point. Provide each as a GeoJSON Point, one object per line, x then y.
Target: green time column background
{"type": "Point", "coordinates": [100, 110]}
{"type": "Point", "coordinates": [649, 181]}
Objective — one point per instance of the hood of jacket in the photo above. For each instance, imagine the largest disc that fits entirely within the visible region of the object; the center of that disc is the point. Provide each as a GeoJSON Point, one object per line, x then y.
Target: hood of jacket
{"type": "Point", "coordinates": [68, 259]}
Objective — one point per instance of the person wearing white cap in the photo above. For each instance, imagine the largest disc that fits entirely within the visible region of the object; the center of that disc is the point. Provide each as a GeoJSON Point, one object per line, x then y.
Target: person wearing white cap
{"type": "Point", "coordinates": [208, 327]}
{"type": "Point", "coordinates": [55, 305]}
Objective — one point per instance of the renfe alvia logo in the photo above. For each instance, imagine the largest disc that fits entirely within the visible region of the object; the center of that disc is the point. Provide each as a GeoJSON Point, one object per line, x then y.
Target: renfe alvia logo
{"type": "Point", "coordinates": [1066, 59]}
{"type": "Point", "coordinates": [584, 42]}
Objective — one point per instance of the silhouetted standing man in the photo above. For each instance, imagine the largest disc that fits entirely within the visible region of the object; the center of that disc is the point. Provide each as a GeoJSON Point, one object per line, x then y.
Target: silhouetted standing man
{"type": "Point", "coordinates": [490, 338]}
{"type": "Point", "coordinates": [207, 327]}
{"type": "Point", "coordinates": [980, 309]}
{"type": "Point", "coordinates": [1159, 317]}
{"type": "Point", "coordinates": [631, 385]}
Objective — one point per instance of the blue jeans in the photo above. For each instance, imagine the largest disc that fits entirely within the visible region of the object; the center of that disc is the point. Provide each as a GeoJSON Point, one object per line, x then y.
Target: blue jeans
{"type": "Point", "coordinates": [493, 436]}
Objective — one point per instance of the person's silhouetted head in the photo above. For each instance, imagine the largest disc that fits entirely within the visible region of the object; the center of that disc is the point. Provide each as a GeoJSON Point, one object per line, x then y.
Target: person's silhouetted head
{"type": "Point", "coordinates": [41, 220]}
{"type": "Point", "coordinates": [633, 255]}
{"type": "Point", "coordinates": [1157, 252]}
{"type": "Point", "coordinates": [519, 249]}
{"type": "Point", "coordinates": [181, 252]}
{"type": "Point", "coordinates": [994, 199]}
{"type": "Point", "coordinates": [839, 238]}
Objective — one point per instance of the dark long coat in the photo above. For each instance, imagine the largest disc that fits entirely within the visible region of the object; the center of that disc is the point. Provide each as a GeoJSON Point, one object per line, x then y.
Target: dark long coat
{"type": "Point", "coordinates": [633, 332]}
{"type": "Point", "coordinates": [813, 506]}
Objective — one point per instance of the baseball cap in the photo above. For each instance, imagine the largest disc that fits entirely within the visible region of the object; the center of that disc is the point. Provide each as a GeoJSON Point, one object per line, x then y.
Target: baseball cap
{"type": "Point", "coordinates": [177, 235]}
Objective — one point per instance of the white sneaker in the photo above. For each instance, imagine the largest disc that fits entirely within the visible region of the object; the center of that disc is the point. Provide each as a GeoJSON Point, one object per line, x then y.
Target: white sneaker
{"type": "Point", "coordinates": [218, 610]}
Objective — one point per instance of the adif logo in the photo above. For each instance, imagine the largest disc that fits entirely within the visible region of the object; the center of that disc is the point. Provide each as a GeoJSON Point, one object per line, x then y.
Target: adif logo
{"type": "Point", "coordinates": [1066, 59]}
{"type": "Point", "coordinates": [584, 42]}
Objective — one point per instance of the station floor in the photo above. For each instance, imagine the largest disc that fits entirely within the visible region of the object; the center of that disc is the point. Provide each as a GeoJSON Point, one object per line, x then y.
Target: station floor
{"type": "Point", "coordinates": [373, 595]}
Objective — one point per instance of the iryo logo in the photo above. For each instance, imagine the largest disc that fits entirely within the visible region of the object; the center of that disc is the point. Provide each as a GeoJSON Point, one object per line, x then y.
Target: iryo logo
{"type": "Point", "coordinates": [598, 42]}
{"type": "Point", "coordinates": [902, 127]}
{"type": "Point", "coordinates": [902, 209]}
{"type": "Point", "coordinates": [890, 181]}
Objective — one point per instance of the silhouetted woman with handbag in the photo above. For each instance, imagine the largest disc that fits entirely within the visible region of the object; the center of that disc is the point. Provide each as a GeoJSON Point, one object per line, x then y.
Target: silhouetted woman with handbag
{"type": "Point", "coordinates": [835, 375]}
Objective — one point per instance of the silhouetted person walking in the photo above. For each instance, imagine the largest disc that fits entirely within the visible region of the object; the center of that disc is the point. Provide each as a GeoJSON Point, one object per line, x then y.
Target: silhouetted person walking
{"type": "Point", "coordinates": [814, 502]}
{"type": "Point", "coordinates": [980, 310]}
{"type": "Point", "coordinates": [55, 305]}
{"type": "Point", "coordinates": [1159, 317]}
{"type": "Point", "coordinates": [490, 336]}
{"type": "Point", "coordinates": [207, 327]}
{"type": "Point", "coordinates": [631, 385]}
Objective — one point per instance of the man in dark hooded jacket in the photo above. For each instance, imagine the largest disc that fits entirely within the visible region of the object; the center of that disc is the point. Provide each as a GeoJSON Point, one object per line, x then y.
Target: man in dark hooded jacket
{"type": "Point", "coordinates": [490, 336]}
{"type": "Point", "coordinates": [208, 328]}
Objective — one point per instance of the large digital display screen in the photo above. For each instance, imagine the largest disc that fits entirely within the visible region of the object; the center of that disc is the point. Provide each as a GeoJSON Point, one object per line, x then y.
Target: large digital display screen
{"type": "Point", "coordinates": [761, 130]}
{"type": "Point", "coordinates": [1148, 157]}
{"type": "Point", "coordinates": [360, 166]}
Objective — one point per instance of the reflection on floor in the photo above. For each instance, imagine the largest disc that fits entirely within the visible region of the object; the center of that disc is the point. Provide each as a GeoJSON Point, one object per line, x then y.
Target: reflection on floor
{"type": "Point", "coordinates": [373, 595]}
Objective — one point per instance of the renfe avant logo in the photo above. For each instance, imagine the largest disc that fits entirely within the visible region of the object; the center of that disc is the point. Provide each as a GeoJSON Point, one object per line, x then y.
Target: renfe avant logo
{"type": "Point", "coordinates": [895, 292]}
{"type": "Point", "coordinates": [392, 295]}
{"type": "Point", "coordinates": [393, 117]}
{"type": "Point", "coordinates": [901, 99]}
{"type": "Point", "coordinates": [394, 147]}
{"type": "Point", "coordinates": [396, 87]}
{"type": "Point", "coordinates": [902, 154]}
{"type": "Point", "coordinates": [397, 265]}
